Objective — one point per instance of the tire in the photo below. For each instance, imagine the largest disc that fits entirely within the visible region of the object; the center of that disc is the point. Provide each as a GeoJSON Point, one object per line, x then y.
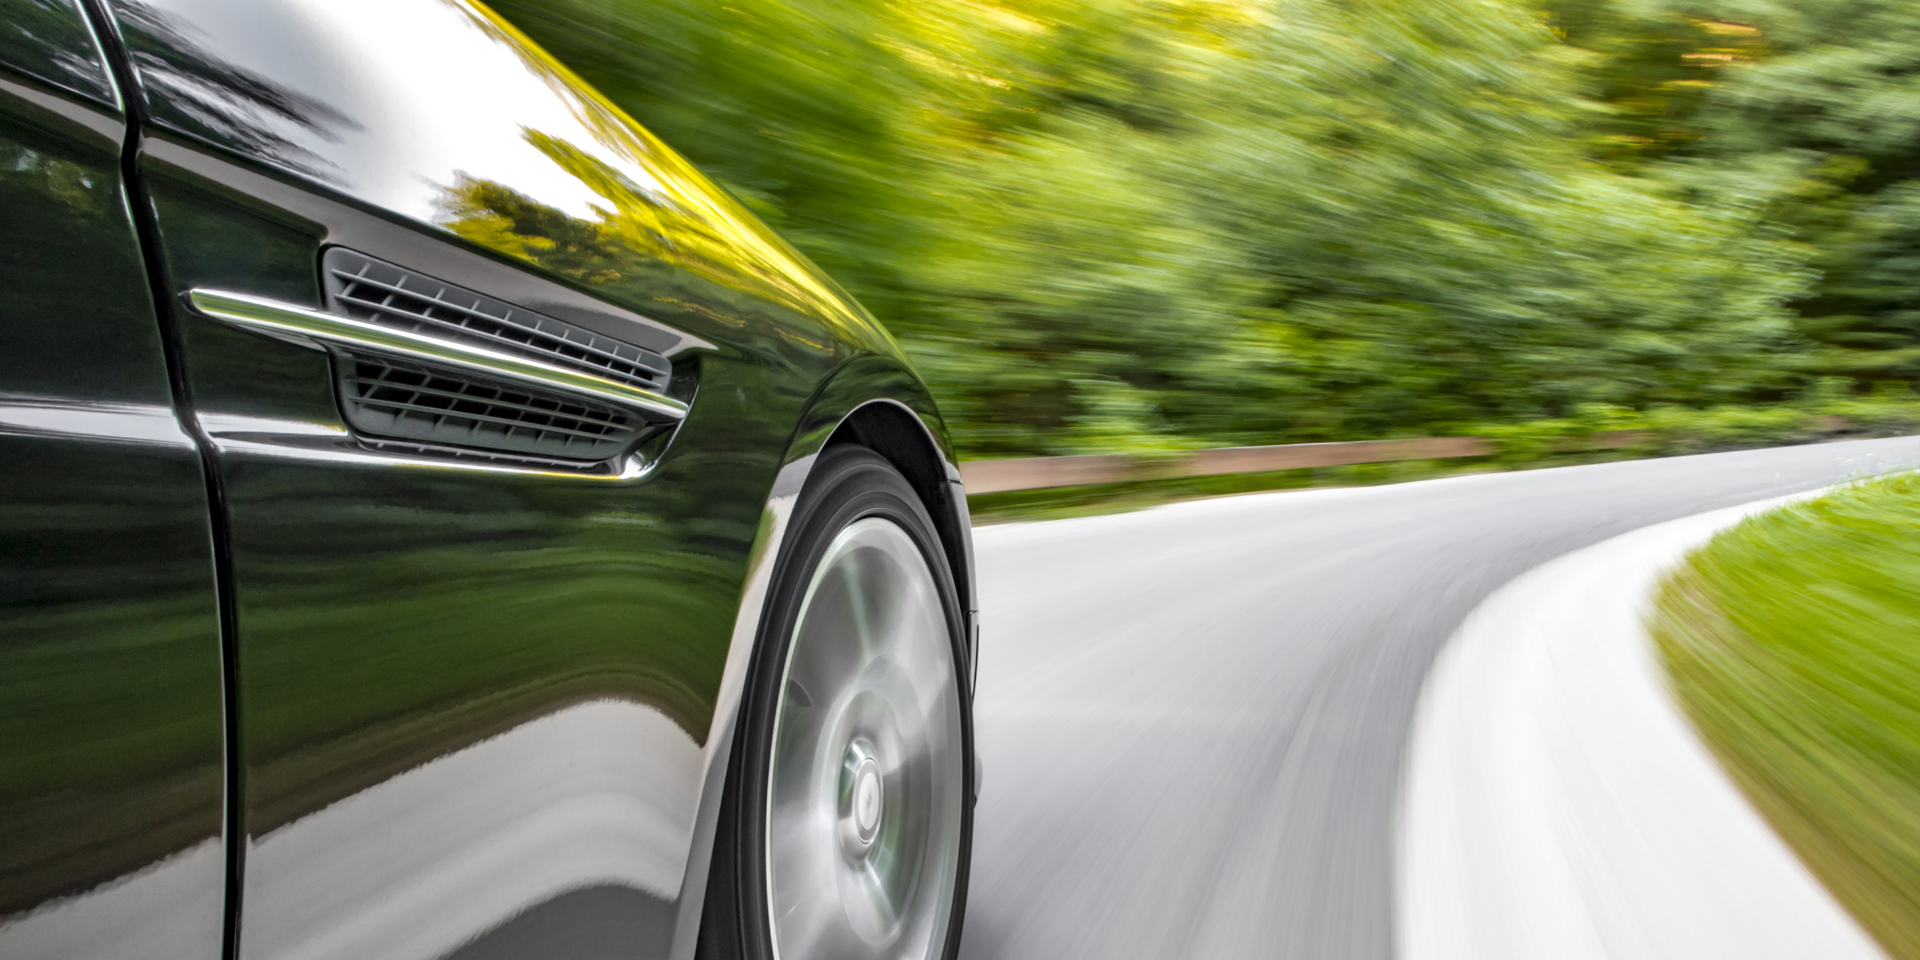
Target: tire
{"type": "Point", "coordinates": [847, 823]}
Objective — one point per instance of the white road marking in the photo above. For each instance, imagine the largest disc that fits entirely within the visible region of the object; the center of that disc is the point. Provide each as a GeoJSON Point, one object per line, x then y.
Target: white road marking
{"type": "Point", "coordinates": [1557, 803]}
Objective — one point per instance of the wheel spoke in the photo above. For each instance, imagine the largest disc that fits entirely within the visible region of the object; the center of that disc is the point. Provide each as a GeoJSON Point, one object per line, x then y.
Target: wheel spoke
{"type": "Point", "coordinates": [860, 603]}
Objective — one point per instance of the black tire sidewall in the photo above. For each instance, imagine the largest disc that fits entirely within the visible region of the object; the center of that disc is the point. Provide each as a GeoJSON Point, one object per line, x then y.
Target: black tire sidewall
{"type": "Point", "coordinates": [846, 484]}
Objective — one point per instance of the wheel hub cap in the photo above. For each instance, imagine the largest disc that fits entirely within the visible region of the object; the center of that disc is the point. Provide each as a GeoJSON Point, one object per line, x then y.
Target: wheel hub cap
{"type": "Point", "coordinates": [865, 798]}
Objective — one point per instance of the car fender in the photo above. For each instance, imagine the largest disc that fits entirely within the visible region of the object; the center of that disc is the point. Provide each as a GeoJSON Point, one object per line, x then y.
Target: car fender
{"type": "Point", "coordinates": [876, 400]}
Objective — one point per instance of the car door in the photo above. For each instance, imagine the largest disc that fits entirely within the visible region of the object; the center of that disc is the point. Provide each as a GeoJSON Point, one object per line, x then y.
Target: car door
{"type": "Point", "coordinates": [481, 610]}
{"type": "Point", "coordinates": [111, 731]}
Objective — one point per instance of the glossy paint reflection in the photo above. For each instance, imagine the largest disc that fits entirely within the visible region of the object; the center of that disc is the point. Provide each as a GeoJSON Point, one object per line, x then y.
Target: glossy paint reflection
{"type": "Point", "coordinates": [110, 663]}
{"type": "Point", "coordinates": [168, 908]}
{"type": "Point", "coordinates": [110, 809]}
{"type": "Point", "coordinates": [50, 41]}
{"type": "Point", "coordinates": [576, 800]}
{"type": "Point", "coordinates": [409, 635]}
{"type": "Point", "coordinates": [477, 131]}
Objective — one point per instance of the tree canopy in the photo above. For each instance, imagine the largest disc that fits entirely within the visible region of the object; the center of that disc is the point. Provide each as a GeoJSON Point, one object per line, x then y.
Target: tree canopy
{"type": "Point", "coordinates": [1155, 224]}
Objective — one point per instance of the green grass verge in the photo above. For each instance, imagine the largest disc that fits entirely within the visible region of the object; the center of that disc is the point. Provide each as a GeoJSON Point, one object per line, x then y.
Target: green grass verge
{"type": "Point", "coordinates": [1793, 641]}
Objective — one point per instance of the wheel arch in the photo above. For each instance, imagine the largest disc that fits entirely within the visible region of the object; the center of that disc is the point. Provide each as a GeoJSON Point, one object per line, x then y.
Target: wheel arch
{"type": "Point", "coordinates": [882, 405]}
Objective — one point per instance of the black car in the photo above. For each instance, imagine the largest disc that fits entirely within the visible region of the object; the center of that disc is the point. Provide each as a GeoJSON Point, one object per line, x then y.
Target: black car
{"type": "Point", "coordinates": [439, 522]}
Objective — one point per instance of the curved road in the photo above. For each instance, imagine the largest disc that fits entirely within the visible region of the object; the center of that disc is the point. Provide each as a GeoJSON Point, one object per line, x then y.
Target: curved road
{"type": "Point", "coordinates": [1193, 718]}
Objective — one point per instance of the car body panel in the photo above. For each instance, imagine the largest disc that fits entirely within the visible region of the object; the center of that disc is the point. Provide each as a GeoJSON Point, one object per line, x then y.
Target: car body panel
{"type": "Point", "coordinates": [111, 699]}
{"type": "Point", "coordinates": [481, 708]}
{"type": "Point", "coordinates": [51, 42]}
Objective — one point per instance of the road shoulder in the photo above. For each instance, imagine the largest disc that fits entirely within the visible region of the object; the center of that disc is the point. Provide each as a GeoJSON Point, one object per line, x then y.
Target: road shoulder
{"type": "Point", "coordinates": [1556, 803]}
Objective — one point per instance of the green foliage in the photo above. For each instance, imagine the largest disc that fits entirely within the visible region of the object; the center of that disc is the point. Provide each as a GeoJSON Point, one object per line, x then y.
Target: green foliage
{"type": "Point", "coordinates": [1150, 225]}
{"type": "Point", "coordinates": [1790, 641]}
{"type": "Point", "coordinates": [1821, 115]}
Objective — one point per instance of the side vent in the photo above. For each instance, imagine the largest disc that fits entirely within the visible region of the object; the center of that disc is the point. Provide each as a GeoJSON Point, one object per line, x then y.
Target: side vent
{"type": "Point", "coordinates": [363, 288]}
{"type": "Point", "coordinates": [431, 407]}
{"type": "Point", "coordinates": [394, 398]}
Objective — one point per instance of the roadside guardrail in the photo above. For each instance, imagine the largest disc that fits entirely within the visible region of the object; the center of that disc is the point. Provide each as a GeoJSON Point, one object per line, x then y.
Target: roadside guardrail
{"type": "Point", "coordinates": [1039, 473]}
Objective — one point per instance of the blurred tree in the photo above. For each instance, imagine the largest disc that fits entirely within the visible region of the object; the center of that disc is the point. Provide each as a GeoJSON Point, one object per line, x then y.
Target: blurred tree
{"type": "Point", "coordinates": [1150, 224]}
{"type": "Point", "coordinates": [1423, 222]}
{"type": "Point", "coordinates": [1812, 109]}
{"type": "Point", "coordinates": [1646, 72]}
{"type": "Point", "coordinates": [1829, 121]}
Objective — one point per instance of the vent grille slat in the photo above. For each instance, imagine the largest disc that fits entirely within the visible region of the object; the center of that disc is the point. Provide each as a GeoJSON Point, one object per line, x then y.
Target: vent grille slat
{"type": "Point", "coordinates": [484, 404]}
{"type": "Point", "coordinates": [551, 340]}
{"type": "Point", "coordinates": [394, 398]}
{"type": "Point", "coordinates": [447, 412]}
{"type": "Point", "coordinates": [378, 292]}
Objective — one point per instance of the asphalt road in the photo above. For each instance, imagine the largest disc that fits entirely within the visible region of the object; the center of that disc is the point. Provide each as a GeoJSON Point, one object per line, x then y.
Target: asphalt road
{"type": "Point", "coordinates": [1193, 719]}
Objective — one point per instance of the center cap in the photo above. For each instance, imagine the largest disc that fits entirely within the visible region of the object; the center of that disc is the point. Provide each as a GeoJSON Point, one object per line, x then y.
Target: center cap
{"type": "Point", "coordinates": [867, 798]}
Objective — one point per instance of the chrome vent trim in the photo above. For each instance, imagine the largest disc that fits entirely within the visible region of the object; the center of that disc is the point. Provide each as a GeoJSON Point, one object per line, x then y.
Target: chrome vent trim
{"type": "Point", "coordinates": [488, 458]}
{"type": "Point", "coordinates": [388, 397]}
{"type": "Point", "coordinates": [375, 291]}
{"type": "Point", "coordinates": [439, 392]}
{"type": "Point", "coordinates": [323, 330]}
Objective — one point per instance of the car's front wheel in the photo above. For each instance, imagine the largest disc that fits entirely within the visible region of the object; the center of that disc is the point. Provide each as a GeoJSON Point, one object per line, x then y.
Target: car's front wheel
{"type": "Point", "coordinates": [846, 827]}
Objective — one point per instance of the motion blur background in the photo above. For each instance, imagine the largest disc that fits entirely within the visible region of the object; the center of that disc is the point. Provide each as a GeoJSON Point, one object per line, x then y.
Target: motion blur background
{"type": "Point", "coordinates": [1154, 225]}
{"type": "Point", "coordinates": [1652, 710]}
{"type": "Point", "coordinates": [1576, 229]}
